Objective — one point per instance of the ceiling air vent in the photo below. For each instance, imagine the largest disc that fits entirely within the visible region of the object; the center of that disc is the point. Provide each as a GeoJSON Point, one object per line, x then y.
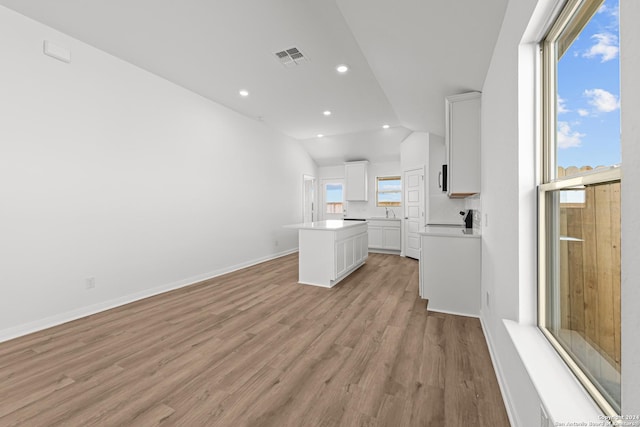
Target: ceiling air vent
{"type": "Point", "coordinates": [291, 57]}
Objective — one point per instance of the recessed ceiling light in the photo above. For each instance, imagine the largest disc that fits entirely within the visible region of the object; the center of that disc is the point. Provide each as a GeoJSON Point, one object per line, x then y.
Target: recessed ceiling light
{"type": "Point", "coordinates": [327, 113]}
{"type": "Point", "coordinates": [320, 135]}
{"type": "Point", "coordinates": [385, 126]}
{"type": "Point", "coordinates": [342, 69]}
{"type": "Point", "coordinates": [244, 92]}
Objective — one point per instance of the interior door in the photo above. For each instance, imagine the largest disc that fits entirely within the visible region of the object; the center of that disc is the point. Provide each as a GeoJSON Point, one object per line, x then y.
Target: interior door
{"type": "Point", "coordinates": [413, 211]}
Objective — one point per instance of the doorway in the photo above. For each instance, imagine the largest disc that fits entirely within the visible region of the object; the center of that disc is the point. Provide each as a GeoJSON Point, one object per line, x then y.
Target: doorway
{"type": "Point", "coordinates": [309, 199]}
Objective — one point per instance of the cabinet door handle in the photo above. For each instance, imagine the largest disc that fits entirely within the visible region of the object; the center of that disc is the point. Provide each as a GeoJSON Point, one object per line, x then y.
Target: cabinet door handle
{"type": "Point", "coordinates": [440, 179]}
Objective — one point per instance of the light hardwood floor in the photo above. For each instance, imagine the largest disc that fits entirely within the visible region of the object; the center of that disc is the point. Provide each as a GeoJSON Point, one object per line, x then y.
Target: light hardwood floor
{"type": "Point", "coordinates": [256, 348]}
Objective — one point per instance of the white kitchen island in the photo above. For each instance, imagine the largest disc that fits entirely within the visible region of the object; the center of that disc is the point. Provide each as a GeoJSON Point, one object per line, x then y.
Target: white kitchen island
{"type": "Point", "coordinates": [330, 250]}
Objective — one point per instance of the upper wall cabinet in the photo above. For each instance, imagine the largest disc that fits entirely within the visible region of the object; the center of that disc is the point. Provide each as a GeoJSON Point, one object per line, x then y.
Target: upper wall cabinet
{"type": "Point", "coordinates": [462, 139]}
{"type": "Point", "coordinates": [356, 181]}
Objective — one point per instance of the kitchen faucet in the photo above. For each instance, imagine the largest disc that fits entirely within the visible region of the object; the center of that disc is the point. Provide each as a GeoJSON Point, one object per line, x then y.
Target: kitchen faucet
{"type": "Point", "coordinates": [386, 211]}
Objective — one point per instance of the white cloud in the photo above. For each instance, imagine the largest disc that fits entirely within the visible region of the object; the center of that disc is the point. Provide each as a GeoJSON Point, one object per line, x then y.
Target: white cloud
{"type": "Point", "coordinates": [567, 137]}
{"type": "Point", "coordinates": [606, 47]}
{"type": "Point", "coordinates": [614, 11]}
{"type": "Point", "coordinates": [582, 112]}
{"type": "Point", "coordinates": [562, 108]}
{"type": "Point", "coordinates": [604, 101]}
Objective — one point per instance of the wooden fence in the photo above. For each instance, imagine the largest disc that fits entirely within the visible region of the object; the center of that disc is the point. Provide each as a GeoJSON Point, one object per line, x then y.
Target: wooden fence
{"type": "Point", "coordinates": [334, 207]}
{"type": "Point", "coordinates": [590, 267]}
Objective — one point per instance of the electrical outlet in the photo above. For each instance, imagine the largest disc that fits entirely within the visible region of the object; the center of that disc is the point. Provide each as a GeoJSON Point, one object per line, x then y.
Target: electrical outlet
{"type": "Point", "coordinates": [487, 298]}
{"type": "Point", "coordinates": [90, 282]}
{"type": "Point", "coordinates": [276, 243]}
{"type": "Point", "coordinates": [486, 219]}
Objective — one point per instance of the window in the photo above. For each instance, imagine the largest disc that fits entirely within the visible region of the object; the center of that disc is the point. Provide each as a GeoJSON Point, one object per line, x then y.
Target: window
{"type": "Point", "coordinates": [388, 191]}
{"type": "Point", "coordinates": [579, 196]}
{"type": "Point", "coordinates": [333, 198]}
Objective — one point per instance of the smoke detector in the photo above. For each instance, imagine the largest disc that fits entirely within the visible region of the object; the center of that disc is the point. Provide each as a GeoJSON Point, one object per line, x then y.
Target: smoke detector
{"type": "Point", "coordinates": [291, 57]}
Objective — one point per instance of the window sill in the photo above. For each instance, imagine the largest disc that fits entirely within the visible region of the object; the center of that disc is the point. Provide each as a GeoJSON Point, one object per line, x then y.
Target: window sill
{"type": "Point", "coordinates": [563, 397]}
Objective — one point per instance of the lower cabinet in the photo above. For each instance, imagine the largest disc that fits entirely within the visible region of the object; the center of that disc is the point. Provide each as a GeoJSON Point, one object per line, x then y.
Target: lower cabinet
{"type": "Point", "coordinates": [385, 234]}
{"type": "Point", "coordinates": [361, 248]}
{"type": "Point", "coordinates": [350, 252]}
{"type": "Point", "coordinates": [450, 274]}
{"type": "Point", "coordinates": [341, 259]}
{"type": "Point", "coordinates": [328, 255]}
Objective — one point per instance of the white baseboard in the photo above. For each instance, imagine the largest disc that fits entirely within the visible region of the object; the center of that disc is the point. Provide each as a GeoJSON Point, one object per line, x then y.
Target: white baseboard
{"type": "Point", "coordinates": [504, 390]}
{"type": "Point", "coordinates": [58, 319]}
{"type": "Point", "coordinates": [384, 251]}
{"type": "Point", "coordinates": [455, 313]}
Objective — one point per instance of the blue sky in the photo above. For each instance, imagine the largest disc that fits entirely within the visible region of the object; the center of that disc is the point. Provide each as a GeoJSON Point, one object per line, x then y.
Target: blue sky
{"type": "Point", "coordinates": [390, 185]}
{"type": "Point", "coordinates": [589, 94]}
{"type": "Point", "coordinates": [334, 193]}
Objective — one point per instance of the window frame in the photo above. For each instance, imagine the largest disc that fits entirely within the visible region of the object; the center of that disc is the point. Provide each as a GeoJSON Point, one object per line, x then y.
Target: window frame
{"type": "Point", "coordinates": [388, 204]}
{"type": "Point", "coordinates": [568, 24]}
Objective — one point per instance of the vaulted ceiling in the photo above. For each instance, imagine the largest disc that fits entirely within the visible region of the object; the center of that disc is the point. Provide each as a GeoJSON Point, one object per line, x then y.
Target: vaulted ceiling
{"type": "Point", "coordinates": [404, 57]}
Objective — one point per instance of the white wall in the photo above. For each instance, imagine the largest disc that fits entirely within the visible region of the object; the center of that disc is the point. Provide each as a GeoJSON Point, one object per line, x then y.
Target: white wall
{"type": "Point", "coordinates": [365, 209]}
{"type": "Point", "coordinates": [442, 209]}
{"type": "Point", "coordinates": [509, 200]}
{"type": "Point", "coordinates": [110, 172]}
{"type": "Point", "coordinates": [500, 198]}
{"type": "Point", "coordinates": [414, 151]}
{"type": "Point", "coordinates": [422, 149]}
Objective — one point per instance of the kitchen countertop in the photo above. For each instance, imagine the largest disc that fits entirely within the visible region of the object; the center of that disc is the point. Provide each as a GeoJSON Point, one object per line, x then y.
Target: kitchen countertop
{"type": "Point", "coordinates": [382, 218]}
{"type": "Point", "coordinates": [330, 224]}
{"type": "Point", "coordinates": [448, 231]}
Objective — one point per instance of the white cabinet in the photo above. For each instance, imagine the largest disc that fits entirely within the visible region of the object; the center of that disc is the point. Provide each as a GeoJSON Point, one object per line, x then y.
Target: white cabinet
{"type": "Point", "coordinates": [351, 252]}
{"type": "Point", "coordinates": [384, 234]}
{"type": "Point", "coordinates": [341, 262]}
{"type": "Point", "coordinates": [450, 274]}
{"type": "Point", "coordinates": [462, 139]}
{"type": "Point", "coordinates": [391, 237]}
{"type": "Point", "coordinates": [361, 249]}
{"type": "Point", "coordinates": [375, 236]}
{"type": "Point", "coordinates": [328, 254]}
{"type": "Point", "coordinates": [355, 174]}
